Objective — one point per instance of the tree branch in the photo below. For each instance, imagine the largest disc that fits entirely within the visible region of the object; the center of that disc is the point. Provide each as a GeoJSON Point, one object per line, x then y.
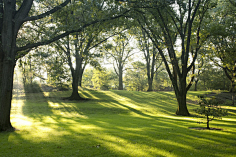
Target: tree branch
{"type": "Point", "coordinates": [32, 45]}
{"type": "Point", "coordinates": [55, 9]}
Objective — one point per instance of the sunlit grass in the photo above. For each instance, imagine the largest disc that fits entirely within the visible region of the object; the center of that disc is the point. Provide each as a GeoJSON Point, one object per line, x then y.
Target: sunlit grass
{"type": "Point", "coordinates": [113, 123]}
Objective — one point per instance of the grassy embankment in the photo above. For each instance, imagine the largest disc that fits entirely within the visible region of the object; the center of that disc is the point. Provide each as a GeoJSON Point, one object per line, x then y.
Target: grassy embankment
{"type": "Point", "coordinates": [113, 123]}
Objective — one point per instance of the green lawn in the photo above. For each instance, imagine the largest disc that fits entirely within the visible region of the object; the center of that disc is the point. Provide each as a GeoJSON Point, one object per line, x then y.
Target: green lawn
{"type": "Point", "coordinates": [113, 123]}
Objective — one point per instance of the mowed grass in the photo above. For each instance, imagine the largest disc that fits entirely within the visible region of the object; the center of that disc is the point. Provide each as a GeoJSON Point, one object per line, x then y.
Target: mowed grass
{"type": "Point", "coordinates": [113, 123]}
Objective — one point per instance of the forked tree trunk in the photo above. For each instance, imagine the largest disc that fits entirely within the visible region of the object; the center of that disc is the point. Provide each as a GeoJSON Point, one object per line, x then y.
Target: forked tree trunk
{"type": "Point", "coordinates": [6, 86]}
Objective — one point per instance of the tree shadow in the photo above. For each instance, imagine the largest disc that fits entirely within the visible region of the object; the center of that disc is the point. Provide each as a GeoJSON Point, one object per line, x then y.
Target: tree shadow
{"type": "Point", "coordinates": [113, 123]}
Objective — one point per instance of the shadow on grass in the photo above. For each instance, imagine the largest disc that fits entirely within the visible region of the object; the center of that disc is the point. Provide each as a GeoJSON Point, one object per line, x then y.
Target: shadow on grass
{"type": "Point", "coordinates": [114, 123]}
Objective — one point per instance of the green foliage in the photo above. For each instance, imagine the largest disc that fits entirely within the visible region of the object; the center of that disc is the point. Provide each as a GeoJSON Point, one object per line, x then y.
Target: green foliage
{"type": "Point", "coordinates": [209, 107]}
{"type": "Point", "coordinates": [212, 78]}
{"type": "Point", "coordinates": [33, 87]}
{"type": "Point", "coordinates": [104, 79]}
{"type": "Point", "coordinates": [223, 39]}
{"type": "Point", "coordinates": [136, 78]}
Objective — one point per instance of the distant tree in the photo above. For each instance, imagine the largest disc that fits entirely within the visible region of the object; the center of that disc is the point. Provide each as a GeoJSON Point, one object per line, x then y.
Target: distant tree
{"type": "Point", "coordinates": [198, 66]}
{"type": "Point", "coordinates": [103, 79]}
{"type": "Point", "coordinates": [120, 51]}
{"type": "Point", "coordinates": [79, 47]}
{"type": "Point", "coordinates": [87, 78]}
{"type": "Point", "coordinates": [136, 77]}
{"type": "Point", "coordinates": [151, 56]}
{"type": "Point", "coordinates": [212, 78]}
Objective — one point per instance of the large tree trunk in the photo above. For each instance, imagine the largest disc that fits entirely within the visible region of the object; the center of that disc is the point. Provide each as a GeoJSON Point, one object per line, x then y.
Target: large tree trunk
{"type": "Point", "coordinates": [75, 95]}
{"type": "Point", "coordinates": [181, 93]}
{"type": "Point", "coordinates": [6, 85]}
{"type": "Point", "coordinates": [150, 81]}
{"type": "Point", "coordinates": [9, 29]}
{"type": "Point", "coordinates": [120, 78]}
{"type": "Point", "coordinates": [182, 106]}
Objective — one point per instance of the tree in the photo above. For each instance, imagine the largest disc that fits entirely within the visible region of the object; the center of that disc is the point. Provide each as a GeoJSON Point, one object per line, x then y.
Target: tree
{"type": "Point", "coordinates": [136, 78]}
{"type": "Point", "coordinates": [15, 17]}
{"type": "Point", "coordinates": [170, 23]}
{"type": "Point", "coordinates": [78, 48]}
{"type": "Point", "coordinates": [151, 56]}
{"type": "Point", "coordinates": [120, 51]}
{"type": "Point", "coordinates": [198, 66]}
{"type": "Point", "coordinates": [211, 109]}
{"type": "Point", "coordinates": [212, 77]}
{"type": "Point", "coordinates": [222, 41]}
{"type": "Point", "coordinates": [103, 78]}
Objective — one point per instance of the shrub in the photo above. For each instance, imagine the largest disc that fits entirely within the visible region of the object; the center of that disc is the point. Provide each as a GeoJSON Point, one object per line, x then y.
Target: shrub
{"type": "Point", "coordinates": [32, 88]}
{"type": "Point", "coordinates": [209, 107]}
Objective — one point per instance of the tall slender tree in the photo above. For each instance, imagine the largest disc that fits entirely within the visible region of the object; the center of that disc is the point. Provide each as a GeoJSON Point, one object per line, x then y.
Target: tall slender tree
{"type": "Point", "coordinates": [120, 51]}
{"type": "Point", "coordinates": [151, 56]}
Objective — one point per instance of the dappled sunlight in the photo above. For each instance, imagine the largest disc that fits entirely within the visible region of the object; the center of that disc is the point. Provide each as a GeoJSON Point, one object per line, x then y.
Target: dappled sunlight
{"type": "Point", "coordinates": [132, 148]}
{"type": "Point", "coordinates": [119, 123]}
{"type": "Point", "coordinates": [66, 109]}
{"type": "Point", "coordinates": [151, 103]}
{"type": "Point", "coordinates": [87, 94]}
{"type": "Point", "coordinates": [18, 119]}
{"type": "Point", "coordinates": [229, 119]}
{"type": "Point", "coordinates": [175, 144]}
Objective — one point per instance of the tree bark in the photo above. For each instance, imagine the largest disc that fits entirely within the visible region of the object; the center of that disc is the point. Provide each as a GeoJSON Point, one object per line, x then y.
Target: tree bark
{"type": "Point", "coordinates": [75, 95]}
{"type": "Point", "coordinates": [81, 71]}
{"type": "Point", "coordinates": [75, 81]}
{"type": "Point", "coordinates": [208, 121]}
{"type": "Point", "coordinates": [182, 106]}
{"type": "Point", "coordinates": [233, 93]}
{"type": "Point", "coordinates": [196, 83]}
{"type": "Point", "coordinates": [150, 81]}
{"type": "Point", "coordinates": [120, 78]}
{"type": "Point", "coordinates": [9, 30]}
{"type": "Point", "coordinates": [7, 71]}
{"type": "Point", "coordinates": [231, 78]}
{"type": "Point", "coordinates": [181, 93]}
{"type": "Point", "coordinates": [80, 79]}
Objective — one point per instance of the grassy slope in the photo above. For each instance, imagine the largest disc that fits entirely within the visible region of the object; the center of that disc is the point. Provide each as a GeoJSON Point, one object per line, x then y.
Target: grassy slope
{"type": "Point", "coordinates": [113, 123]}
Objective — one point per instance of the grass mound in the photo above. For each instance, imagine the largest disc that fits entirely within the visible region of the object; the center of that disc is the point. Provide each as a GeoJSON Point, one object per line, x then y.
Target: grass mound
{"type": "Point", "coordinates": [113, 123]}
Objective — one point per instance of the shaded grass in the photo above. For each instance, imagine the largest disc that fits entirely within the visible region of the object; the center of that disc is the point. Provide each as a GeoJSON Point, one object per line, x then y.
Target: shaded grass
{"type": "Point", "coordinates": [113, 123]}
